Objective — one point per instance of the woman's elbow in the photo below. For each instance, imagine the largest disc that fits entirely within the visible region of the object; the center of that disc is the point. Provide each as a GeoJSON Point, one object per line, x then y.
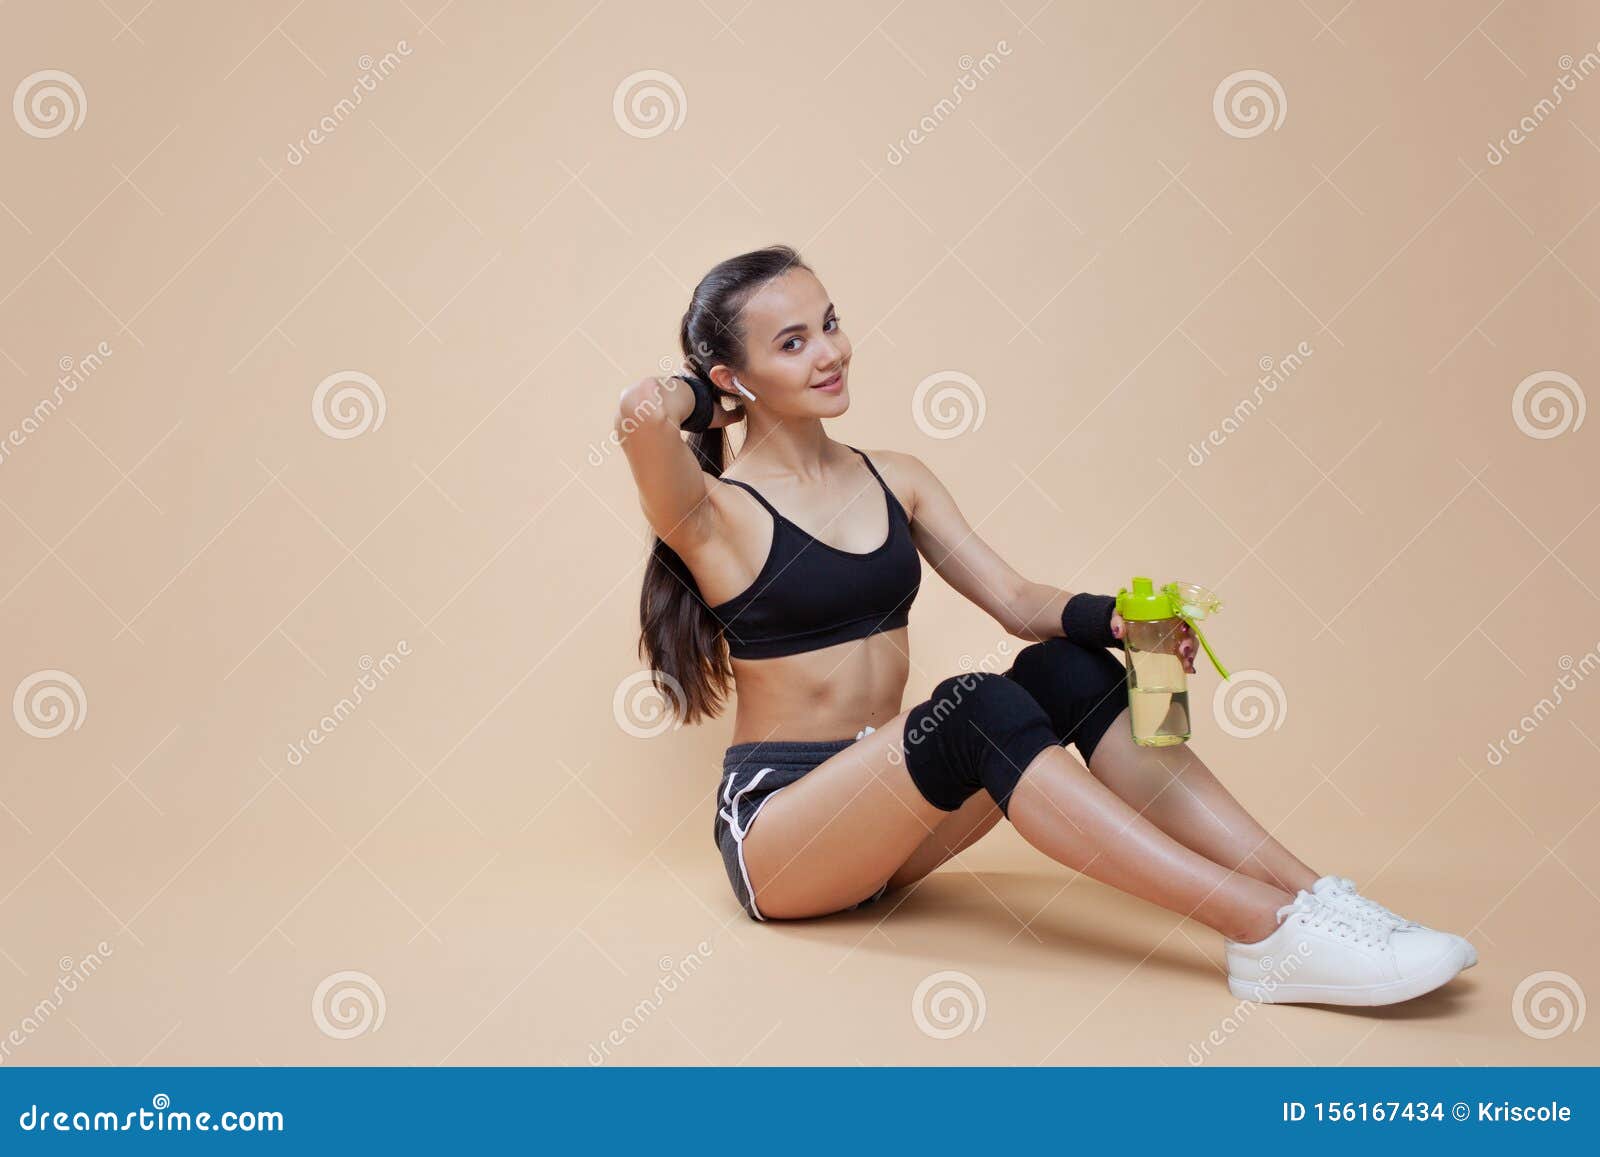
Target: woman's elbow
{"type": "Point", "coordinates": [638, 399]}
{"type": "Point", "coordinates": [641, 404]}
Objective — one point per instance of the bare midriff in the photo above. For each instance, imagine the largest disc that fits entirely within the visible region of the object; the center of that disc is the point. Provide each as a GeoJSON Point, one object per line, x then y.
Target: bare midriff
{"type": "Point", "coordinates": [829, 693]}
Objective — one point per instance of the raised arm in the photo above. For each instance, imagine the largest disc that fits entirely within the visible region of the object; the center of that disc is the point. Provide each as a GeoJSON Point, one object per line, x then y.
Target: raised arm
{"type": "Point", "coordinates": [673, 489]}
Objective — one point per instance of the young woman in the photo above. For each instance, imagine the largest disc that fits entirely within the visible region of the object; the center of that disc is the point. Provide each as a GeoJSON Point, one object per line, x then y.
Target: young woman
{"type": "Point", "coordinates": [791, 573]}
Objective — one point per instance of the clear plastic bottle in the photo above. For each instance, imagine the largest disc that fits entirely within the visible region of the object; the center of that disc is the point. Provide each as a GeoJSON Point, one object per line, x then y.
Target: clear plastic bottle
{"type": "Point", "coordinates": [1158, 691]}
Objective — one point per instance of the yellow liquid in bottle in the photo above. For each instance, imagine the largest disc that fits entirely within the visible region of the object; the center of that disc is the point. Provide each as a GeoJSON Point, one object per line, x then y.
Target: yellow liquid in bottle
{"type": "Point", "coordinates": [1158, 698]}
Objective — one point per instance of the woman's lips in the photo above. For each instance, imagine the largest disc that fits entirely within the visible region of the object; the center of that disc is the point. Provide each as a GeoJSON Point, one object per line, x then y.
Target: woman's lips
{"type": "Point", "coordinates": [833, 385]}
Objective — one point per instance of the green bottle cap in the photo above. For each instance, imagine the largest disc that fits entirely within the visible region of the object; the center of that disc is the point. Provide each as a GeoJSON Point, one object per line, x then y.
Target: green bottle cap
{"type": "Point", "coordinates": [1144, 602]}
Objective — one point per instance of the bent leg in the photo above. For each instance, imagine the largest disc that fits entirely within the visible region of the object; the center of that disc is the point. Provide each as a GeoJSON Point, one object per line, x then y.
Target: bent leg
{"type": "Point", "coordinates": [845, 828]}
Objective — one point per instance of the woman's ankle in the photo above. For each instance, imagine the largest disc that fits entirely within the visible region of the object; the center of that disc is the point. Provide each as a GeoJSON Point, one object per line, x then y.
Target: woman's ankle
{"type": "Point", "coordinates": [1252, 930]}
{"type": "Point", "coordinates": [1257, 917]}
{"type": "Point", "coordinates": [1299, 879]}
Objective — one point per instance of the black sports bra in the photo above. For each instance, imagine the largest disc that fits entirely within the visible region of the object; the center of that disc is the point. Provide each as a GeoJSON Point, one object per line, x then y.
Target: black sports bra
{"type": "Point", "coordinates": [811, 595]}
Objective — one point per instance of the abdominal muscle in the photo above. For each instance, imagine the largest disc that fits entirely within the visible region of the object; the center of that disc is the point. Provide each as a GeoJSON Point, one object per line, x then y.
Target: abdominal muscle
{"type": "Point", "coordinates": [829, 693]}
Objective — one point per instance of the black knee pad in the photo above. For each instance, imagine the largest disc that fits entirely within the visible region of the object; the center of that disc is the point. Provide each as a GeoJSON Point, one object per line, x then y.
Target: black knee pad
{"type": "Point", "coordinates": [1082, 689]}
{"type": "Point", "coordinates": [977, 731]}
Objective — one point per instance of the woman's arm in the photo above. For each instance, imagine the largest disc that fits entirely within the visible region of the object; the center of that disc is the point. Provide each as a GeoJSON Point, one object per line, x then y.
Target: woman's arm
{"type": "Point", "coordinates": [1041, 608]}
{"type": "Point", "coordinates": [1027, 609]}
{"type": "Point", "coordinates": [673, 489]}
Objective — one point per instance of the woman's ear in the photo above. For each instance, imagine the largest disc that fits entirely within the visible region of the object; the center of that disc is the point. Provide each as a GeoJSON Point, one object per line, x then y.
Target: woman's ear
{"type": "Point", "coordinates": [728, 382]}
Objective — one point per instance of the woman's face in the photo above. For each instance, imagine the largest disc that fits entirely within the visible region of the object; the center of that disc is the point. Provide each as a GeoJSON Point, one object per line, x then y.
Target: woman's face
{"type": "Point", "coordinates": [797, 358]}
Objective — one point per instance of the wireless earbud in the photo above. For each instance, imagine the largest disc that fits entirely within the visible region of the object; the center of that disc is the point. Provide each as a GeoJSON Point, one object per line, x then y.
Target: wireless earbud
{"type": "Point", "coordinates": [717, 391]}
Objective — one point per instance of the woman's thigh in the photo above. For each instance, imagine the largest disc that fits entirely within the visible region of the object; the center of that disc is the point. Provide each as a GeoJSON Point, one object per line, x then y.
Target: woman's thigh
{"type": "Point", "coordinates": [839, 832]}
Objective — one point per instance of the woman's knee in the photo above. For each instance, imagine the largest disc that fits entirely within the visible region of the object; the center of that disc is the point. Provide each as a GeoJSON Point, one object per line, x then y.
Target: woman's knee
{"type": "Point", "coordinates": [1082, 689]}
{"type": "Point", "coordinates": [976, 732]}
{"type": "Point", "coordinates": [1059, 668]}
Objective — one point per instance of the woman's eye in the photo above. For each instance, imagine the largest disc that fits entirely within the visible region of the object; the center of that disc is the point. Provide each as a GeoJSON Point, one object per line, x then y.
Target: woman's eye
{"type": "Point", "coordinates": [794, 343]}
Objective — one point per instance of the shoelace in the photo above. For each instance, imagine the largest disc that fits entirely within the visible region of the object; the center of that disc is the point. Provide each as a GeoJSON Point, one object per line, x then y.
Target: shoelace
{"type": "Point", "coordinates": [1346, 894]}
{"type": "Point", "coordinates": [1345, 923]}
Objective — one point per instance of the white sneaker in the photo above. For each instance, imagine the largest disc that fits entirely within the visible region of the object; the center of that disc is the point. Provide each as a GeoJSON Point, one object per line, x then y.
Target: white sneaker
{"type": "Point", "coordinates": [1327, 953]}
{"type": "Point", "coordinates": [1342, 890]}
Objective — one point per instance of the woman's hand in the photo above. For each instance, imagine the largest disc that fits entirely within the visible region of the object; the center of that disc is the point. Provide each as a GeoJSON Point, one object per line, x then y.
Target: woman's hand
{"type": "Point", "coordinates": [1181, 642]}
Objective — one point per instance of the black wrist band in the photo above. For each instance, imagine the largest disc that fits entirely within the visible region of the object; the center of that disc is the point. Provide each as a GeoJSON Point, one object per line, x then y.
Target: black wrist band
{"type": "Point", "coordinates": [1086, 620]}
{"type": "Point", "coordinates": [699, 418]}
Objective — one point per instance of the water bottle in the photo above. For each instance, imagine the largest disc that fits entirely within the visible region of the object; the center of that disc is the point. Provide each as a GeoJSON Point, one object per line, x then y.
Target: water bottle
{"type": "Point", "coordinates": [1158, 693]}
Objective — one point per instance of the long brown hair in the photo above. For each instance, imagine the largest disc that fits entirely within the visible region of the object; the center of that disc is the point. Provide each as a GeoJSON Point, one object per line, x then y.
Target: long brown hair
{"type": "Point", "coordinates": [678, 637]}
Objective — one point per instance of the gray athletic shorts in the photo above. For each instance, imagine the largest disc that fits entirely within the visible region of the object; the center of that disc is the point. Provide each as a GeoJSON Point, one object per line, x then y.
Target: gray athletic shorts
{"type": "Point", "coordinates": [752, 773]}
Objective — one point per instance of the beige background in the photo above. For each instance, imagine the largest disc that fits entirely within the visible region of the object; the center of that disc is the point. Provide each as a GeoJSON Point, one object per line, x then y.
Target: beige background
{"type": "Point", "coordinates": [484, 839]}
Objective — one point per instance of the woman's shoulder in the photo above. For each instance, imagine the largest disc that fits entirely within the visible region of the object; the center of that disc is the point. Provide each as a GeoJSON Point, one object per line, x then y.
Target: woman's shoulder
{"type": "Point", "coordinates": [902, 472]}
{"type": "Point", "coordinates": [898, 460]}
